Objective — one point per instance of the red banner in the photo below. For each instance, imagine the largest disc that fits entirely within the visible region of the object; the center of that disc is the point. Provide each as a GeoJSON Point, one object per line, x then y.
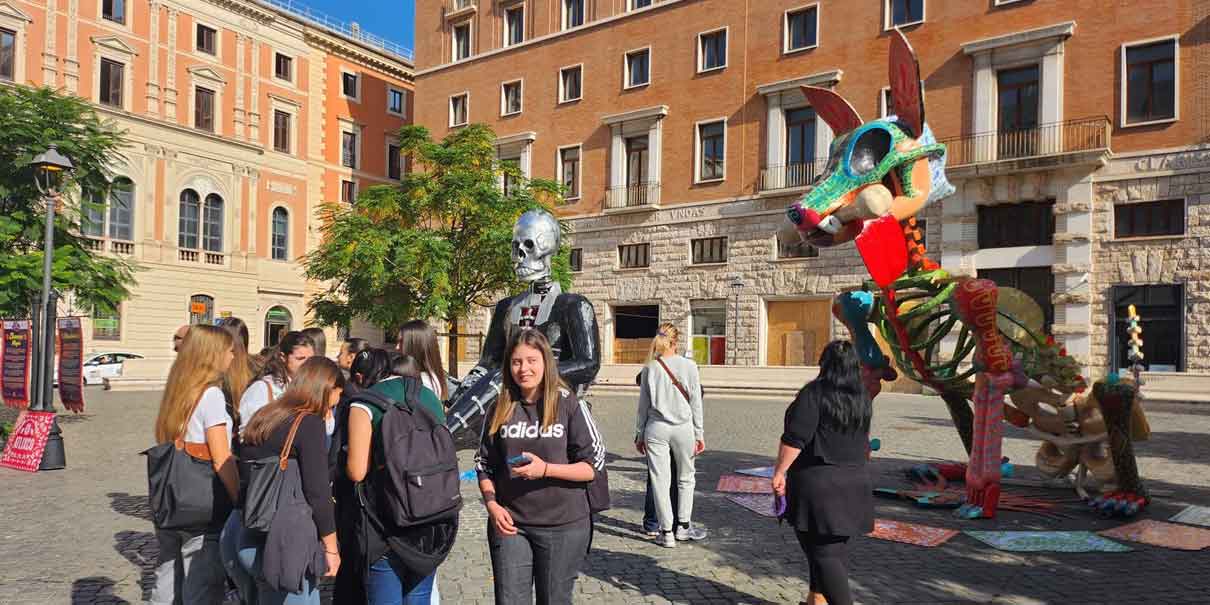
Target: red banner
{"type": "Point", "coordinates": [71, 364]}
{"type": "Point", "coordinates": [27, 441]}
{"type": "Point", "coordinates": [15, 343]}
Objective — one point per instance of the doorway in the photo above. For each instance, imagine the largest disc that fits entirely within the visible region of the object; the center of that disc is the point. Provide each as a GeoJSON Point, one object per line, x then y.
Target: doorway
{"type": "Point", "coordinates": [798, 330]}
{"type": "Point", "coordinates": [277, 323]}
{"type": "Point", "coordinates": [634, 327]}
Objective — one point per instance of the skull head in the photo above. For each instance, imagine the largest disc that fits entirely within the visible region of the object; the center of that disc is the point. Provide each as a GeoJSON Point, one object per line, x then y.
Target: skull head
{"type": "Point", "coordinates": [535, 242]}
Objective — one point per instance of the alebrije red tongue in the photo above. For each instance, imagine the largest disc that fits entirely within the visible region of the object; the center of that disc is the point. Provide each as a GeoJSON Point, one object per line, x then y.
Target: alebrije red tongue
{"type": "Point", "coordinates": [883, 249]}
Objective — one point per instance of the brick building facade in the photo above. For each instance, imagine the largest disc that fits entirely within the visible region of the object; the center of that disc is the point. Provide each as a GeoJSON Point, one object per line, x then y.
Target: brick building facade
{"type": "Point", "coordinates": [1075, 130]}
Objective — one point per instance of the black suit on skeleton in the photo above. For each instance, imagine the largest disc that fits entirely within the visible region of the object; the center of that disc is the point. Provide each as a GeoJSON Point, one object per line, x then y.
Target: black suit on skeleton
{"type": "Point", "coordinates": [572, 331]}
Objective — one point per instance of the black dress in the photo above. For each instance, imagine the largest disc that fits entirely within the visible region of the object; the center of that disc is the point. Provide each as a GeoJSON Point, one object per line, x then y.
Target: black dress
{"type": "Point", "coordinates": [828, 491]}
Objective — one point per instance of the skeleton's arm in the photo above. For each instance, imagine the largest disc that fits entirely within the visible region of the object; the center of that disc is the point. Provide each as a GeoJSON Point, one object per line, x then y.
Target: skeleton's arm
{"type": "Point", "coordinates": [584, 339]}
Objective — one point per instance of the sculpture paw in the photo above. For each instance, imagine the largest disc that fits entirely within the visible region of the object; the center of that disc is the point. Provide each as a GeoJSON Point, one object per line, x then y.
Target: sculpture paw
{"type": "Point", "coordinates": [969, 511]}
{"type": "Point", "coordinates": [981, 503]}
{"type": "Point", "coordinates": [1119, 504]}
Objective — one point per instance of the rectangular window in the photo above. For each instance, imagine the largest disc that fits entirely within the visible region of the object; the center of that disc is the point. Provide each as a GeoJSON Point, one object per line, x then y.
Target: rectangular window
{"type": "Point", "coordinates": [348, 192]}
{"type": "Point", "coordinates": [510, 98]}
{"type": "Point", "coordinates": [114, 10]}
{"type": "Point", "coordinates": [514, 25]}
{"type": "Point", "coordinates": [637, 4]}
{"type": "Point", "coordinates": [111, 82]}
{"type": "Point", "coordinates": [569, 171]}
{"type": "Point", "coordinates": [458, 110]}
{"type": "Point", "coordinates": [203, 109]}
{"type": "Point", "coordinates": [280, 234]}
{"type": "Point", "coordinates": [800, 147]}
{"type": "Point", "coordinates": [709, 250]}
{"type": "Point", "coordinates": [348, 149]}
{"type": "Point", "coordinates": [348, 85]}
{"type": "Point", "coordinates": [1018, 103]}
{"type": "Point", "coordinates": [638, 68]}
{"type": "Point", "coordinates": [106, 325]}
{"type": "Point", "coordinates": [395, 101]}
{"type": "Point", "coordinates": [281, 131]}
{"type": "Point", "coordinates": [1150, 82]}
{"type": "Point", "coordinates": [802, 29]}
{"type": "Point", "coordinates": [633, 256]}
{"type": "Point", "coordinates": [712, 50]}
{"type": "Point", "coordinates": [394, 162]}
{"type": "Point", "coordinates": [1161, 310]}
{"type": "Point", "coordinates": [1010, 225]}
{"type": "Point", "coordinates": [573, 13]}
{"type": "Point", "coordinates": [570, 83]}
{"type": "Point", "coordinates": [283, 67]}
{"type": "Point", "coordinates": [708, 326]}
{"type": "Point", "coordinates": [636, 160]}
{"type": "Point", "coordinates": [92, 220]}
{"type": "Point", "coordinates": [886, 102]}
{"type": "Point", "coordinates": [207, 40]}
{"type": "Point", "coordinates": [712, 150]}
{"type": "Point", "coordinates": [905, 12]}
{"type": "Point", "coordinates": [212, 224]}
{"type": "Point", "coordinates": [189, 221]}
{"type": "Point", "coordinates": [462, 41]}
{"type": "Point", "coordinates": [512, 170]}
{"type": "Point", "coordinates": [121, 210]}
{"type": "Point", "coordinates": [577, 260]}
{"type": "Point", "coordinates": [1037, 282]}
{"type": "Point", "coordinates": [795, 248]}
{"type": "Point", "coordinates": [8, 54]}
{"type": "Point", "coordinates": [1165, 217]}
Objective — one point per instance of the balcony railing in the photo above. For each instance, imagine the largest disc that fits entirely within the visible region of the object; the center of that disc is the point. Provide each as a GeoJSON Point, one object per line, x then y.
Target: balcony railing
{"type": "Point", "coordinates": [124, 248]}
{"type": "Point", "coordinates": [188, 256]}
{"type": "Point", "coordinates": [350, 30]}
{"type": "Point", "coordinates": [95, 245]}
{"type": "Point", "coordinates": [787, 176]}
{"type": "Point", "coordinates": [215, 258]}
{"type": "Point", "coordinates": [632, 196]}
{"type": "Point", "coordinates": [1085, 134]}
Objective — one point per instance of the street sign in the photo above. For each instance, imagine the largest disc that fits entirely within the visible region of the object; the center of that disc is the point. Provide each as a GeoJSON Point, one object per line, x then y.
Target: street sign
{"type": "Point", "coordinates": [71, 360]}
{"type": "Point", "coordinates": [27, 441]}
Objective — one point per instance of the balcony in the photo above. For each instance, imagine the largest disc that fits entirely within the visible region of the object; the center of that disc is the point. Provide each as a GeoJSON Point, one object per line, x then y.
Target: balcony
{"type": "Point", "coordinates": [123, 248]}
{"type": "Point", "coordinates": [1074, 142]}
{"type": "Point", "coordinates": [95, 245]}
{"type": "Point", "coordinates": [638, 195]}
{"type": "Point", "coordinates": [187, 256]}
{"type": "Point", "coordinates": [790, 176]}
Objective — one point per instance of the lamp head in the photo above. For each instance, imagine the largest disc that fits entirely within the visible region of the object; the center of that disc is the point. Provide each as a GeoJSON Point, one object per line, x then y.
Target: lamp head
{"type": "Point", "coordinates": [49, 166]}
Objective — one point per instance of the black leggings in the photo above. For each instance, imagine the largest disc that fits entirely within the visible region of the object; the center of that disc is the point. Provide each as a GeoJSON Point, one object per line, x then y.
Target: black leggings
{"type": "Point", "coordinates": [828, 561]}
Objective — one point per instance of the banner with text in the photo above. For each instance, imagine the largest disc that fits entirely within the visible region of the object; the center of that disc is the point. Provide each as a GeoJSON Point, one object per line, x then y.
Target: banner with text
{"type": "Point", "coordinates": [25, 445]}
{"type": "Point", "coordinates": [71, 363]}
{"type": "Point", "coordinates": [15, 343]}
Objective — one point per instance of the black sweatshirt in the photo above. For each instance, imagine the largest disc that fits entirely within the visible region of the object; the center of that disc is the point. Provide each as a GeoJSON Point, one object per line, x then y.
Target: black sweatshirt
{"type": "Point", "coordinates": [312, 459]}
{"type": "Point", "coordinates": [572, 438]}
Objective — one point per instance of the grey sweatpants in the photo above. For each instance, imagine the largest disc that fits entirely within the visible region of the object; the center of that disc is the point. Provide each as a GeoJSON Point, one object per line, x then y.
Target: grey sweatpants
{"type": "Point", "coordinates": [666, 442]}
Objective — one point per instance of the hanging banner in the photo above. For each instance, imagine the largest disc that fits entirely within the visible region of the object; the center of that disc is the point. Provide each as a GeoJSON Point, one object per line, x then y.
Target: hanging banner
{"type": "Point", "coordinates": [71, 360]}
{"type": "Point", "coordinates": [15, 343]}
{"type": "Point", "coordinates": [27, 441]}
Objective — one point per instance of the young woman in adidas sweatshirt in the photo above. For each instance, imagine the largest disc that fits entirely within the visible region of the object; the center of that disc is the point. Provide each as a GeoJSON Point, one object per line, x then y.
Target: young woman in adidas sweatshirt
{"type": "Point", "coordinates": [539, 450]}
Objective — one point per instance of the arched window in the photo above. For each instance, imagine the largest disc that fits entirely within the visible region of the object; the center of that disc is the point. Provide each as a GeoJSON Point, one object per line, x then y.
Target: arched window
{"type": "Point", "coordinates": [121, 209]}
{"type": "Point", "coordinates": [190, 220]}
{"type": "Point", "coordinates": [277, 322]}
{"type": "Point", "coordinates": [201, 310]}
{"type": "Point", "coordinates": [281, 234]}
{"type": "Point", "coordinates": [212, 224]}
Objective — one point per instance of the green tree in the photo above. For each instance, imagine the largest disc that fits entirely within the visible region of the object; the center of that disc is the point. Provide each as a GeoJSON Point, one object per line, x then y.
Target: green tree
{"type": "Point", "coordinates": [31, 119]}
{"type": "Point", "coordinates": [434, 246]}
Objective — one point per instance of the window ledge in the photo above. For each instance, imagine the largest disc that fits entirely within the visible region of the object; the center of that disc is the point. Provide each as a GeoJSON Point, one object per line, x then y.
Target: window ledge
{"type": "Point", "coordinates": [1148, 238]}
{"type": "Point", "coordinates": [795, 51]}
{"type": "Point", "coordinates": [632, 269]}
{"type": "Point", "coordinates": [795, 259]}
{"type": "Point", "coordinates": [637, 86]}
{"type": "Point", "coordinates": [693, 265]}
{"type": "Point", "coordinates": [462, 125]}
{"type": "Point", "coordinates": [783, 191]}
{"type": "Point", "coordinates": [1126, 124]}
{"type": "Point", "coordinates": [632, 209]}
{"type": "Point", "coordinates": [510, 114]}
{"type": "Point", "coordinates": [711, 70]}
{"type": "Point", "coordinates": [710, 181]}
{"type": "Point", "coordinates": [903, 25]}
{"type": "Point", "coordinates": [570, 101]}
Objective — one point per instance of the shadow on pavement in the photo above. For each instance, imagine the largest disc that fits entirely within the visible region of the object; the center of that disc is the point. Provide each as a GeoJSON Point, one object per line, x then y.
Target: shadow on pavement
{"type": "Point", "coordinates": [132, 505]}
{"type": "Point", "coordinates": [142, 550]}
{"type": "Point", "coordinates": [634, 572]}
{"type": "Point", "coordinates": [87, 591]}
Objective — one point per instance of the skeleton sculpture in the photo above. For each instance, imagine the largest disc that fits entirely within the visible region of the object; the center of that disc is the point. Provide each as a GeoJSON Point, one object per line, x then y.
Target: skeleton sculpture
{"type": "Point", "coordinates": [880, 174]}
{"type": "Point", "coordinates": [568, 321]}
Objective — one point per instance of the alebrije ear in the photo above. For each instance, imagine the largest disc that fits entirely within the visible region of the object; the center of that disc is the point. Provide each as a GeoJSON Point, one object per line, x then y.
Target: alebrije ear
{"type": "Point", "coordinates": [906, 95]}
{"type": "Point", "coordinates": [835, 111]}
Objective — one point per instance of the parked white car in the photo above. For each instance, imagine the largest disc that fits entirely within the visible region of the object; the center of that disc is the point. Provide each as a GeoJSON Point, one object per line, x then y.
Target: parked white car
{"type": "Point", "coordinates": [102, 365]}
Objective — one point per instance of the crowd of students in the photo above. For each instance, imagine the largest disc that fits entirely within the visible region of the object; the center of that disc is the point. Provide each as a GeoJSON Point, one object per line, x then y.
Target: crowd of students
{"type": "Point", "coordinates": [539, 450]}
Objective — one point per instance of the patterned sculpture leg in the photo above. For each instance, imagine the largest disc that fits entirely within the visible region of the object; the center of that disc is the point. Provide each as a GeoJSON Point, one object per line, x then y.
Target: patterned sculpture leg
{"type": "Point", "coordinates": [1117, 401]}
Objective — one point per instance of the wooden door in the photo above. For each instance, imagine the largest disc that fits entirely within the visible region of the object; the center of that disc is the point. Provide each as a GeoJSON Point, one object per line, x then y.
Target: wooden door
{"type": "Point", "coordinates": [798, 330]}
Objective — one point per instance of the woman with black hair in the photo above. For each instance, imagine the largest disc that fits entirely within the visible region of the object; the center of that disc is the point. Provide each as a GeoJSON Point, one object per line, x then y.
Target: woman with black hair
{"type": "Point", "coordinates": [821, 469]}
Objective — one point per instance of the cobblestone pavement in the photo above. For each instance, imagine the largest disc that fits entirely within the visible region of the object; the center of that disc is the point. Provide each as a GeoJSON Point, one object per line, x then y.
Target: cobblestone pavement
{"type": "Point", "coordinates": [81, 535]}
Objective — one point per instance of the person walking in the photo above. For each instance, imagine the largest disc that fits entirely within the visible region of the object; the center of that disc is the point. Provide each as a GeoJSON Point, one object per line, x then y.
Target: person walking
{"type": "Point", "coordinates": [419, 340]}
{"type": "Point", "coordinates": [670, 427]}
{"type": "Point", "coordinates": [189, 568]}
{"type": "Point", "coordinates": [539, 450]}
{"type": "Point", "coordinates": [312, 393]}
{"type": "Point", "coordinates": [821, 469]}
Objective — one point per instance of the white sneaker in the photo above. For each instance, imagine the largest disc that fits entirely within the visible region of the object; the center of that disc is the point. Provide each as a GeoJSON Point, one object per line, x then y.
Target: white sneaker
{"type": "Point", "coordinates": [667, 539]}
{"type": "Point", "coordinates": [693, 532]}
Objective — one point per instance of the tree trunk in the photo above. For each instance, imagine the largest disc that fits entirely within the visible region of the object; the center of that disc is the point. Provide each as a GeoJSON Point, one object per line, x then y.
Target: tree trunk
{"type": "Point", "coordinates": [452, 351]}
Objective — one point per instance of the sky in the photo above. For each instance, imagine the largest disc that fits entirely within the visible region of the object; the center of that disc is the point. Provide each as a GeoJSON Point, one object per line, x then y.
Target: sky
{"type": "Point", "coordinates": [391, 19]}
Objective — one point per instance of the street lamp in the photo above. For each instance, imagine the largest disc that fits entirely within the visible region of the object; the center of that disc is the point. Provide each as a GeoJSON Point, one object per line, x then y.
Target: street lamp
{"type": "Point", "coordinates": [50, 168]}
{"type": "Point", "coordinates": [737, 286]}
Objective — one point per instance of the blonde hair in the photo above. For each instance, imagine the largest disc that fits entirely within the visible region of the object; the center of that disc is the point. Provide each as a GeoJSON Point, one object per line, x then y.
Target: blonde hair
{"type": "Point", "coordinates": [198, 366]}
{"type": "Point", "coordinates": [665, 341]}
{"type": "Point", "coordinates": [511, 392]}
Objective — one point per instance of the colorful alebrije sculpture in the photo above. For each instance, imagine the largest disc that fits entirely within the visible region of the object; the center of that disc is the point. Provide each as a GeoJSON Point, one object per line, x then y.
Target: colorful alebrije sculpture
{"type": "Point", "coordinates": [880, 174]}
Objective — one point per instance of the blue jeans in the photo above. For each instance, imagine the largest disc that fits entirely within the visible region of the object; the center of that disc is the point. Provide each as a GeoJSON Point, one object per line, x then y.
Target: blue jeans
{"type": "Point", "coordinates": [385, 584]}
{"type": "Point", "coordinates": [229, 549]}
{"type": "Point", "coordinates": [250, 552]}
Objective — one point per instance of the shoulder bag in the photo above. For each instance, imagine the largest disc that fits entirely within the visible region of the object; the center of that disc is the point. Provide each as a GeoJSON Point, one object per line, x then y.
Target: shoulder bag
{"type": "Point", "coordinates": [265, 477]}
{"type": "Point", "coordinates": [183, 490]}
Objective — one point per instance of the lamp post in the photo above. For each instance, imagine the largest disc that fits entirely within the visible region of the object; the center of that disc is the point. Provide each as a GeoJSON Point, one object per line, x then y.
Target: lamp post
{"type": "Point", "coordinates": [737, 286]}
{"type": "Point", "coordinates": [49, 169]}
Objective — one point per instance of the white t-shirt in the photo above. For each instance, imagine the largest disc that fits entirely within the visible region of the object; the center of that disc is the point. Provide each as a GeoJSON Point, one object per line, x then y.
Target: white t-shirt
{"type": "Point", "coordinates": [258, 395]}
{"type": "Point", "coordinates": [430, 380]}
{"type": "Point", "coordinates": [211, 411]}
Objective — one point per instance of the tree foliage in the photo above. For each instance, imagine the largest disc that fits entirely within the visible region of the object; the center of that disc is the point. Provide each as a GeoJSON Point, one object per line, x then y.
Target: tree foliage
{"type": "Point", "coordinates": [434, 246]}
{"type": "Point", "coordinates": [31, 119]}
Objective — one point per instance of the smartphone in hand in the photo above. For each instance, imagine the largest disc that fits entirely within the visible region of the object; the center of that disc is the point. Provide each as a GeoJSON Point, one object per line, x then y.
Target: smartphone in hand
{"type": "Point", "coordinates": [519, 460]}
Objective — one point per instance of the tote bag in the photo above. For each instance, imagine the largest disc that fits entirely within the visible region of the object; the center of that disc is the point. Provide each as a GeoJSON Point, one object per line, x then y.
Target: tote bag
{"type": "Point", "coordinates": [184, 493]}
{"type": "Point", "coordinates": [265, 479]}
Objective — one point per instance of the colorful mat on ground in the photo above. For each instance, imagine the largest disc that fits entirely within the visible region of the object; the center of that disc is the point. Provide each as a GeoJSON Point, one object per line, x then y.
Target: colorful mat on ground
{"type": "Point", "coordinates": [1047, 541]}
{"type": "Point", "coordinates": [1159, 533]}
{"type": "Point", "coordinates": [1193, 515]}
{"type": "Point", "coordinates": [760, 471]}
{"type": "Point", "coordinates": [911, 533]}
{"type": "Point", "coordinates": [761, 504]}
{"type": "Point", "coordinates": [744, 484]}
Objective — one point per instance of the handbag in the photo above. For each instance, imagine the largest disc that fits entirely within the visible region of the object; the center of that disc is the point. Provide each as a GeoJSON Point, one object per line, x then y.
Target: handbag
{"type": "Point", "coordinates": [184, 492]}
{"type": "Point", "coordinates": [265, 479]}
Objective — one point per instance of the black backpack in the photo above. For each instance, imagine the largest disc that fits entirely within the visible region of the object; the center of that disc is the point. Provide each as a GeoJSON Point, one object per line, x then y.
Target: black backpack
{"type": "Point", "coordinates": [415, 462]}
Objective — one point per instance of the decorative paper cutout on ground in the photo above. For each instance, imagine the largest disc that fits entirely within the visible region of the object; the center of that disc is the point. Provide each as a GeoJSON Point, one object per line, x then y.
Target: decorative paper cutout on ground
{"type": "Point", "coordinates": [1193, 515]}
{"type": "Point", "coordinates": [744, 484]}
{"type": "Point", "coordinates": [1047, 541]}
{"type": "Point", "coordinates": [1159, 533]}
{"type": "Point", "coordinates": [760, 471]}
{"type": "Point", "coordinates": [467, 475]}
{"type": "Point", "coordinates": [911, 533]}
{"type": "Point", "coordinates": [761, 504]}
